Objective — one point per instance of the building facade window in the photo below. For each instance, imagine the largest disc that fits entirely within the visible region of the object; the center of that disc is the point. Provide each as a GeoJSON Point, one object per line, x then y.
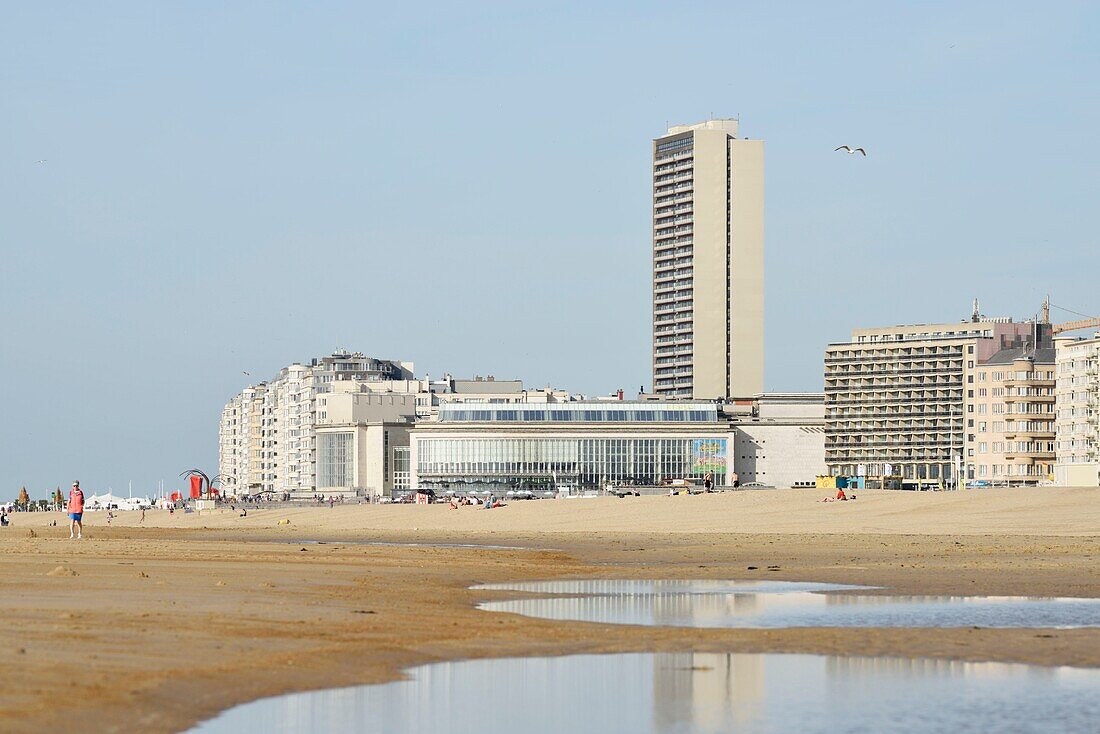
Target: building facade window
{"type": "Point", "coordinates": [335, 459]}
{"type": "Point", "coordinates": [581, 462]}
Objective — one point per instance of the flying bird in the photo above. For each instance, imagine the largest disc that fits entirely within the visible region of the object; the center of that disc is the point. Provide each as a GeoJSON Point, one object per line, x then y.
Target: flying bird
{"type": "Point", "coordinates": [851, 151]}
{"type": "Point", "coordinates": [246, 373]}
{"type": "Point", "coordinates": [41, 161]}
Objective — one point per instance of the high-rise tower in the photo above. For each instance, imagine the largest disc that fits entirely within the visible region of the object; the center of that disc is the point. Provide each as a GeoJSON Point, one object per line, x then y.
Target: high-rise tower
{"type": "Point", "coordinates": [708, 262]}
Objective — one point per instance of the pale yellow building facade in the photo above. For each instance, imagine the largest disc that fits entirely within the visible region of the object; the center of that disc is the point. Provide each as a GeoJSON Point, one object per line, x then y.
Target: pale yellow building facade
{"type": "Point", "coordinates": [708, 262]}
{"type": "Point", "coordinates": [1012, 436]}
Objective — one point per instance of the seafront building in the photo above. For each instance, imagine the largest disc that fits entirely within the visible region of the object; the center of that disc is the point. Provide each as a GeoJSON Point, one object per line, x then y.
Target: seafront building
{"type": "Point", "coordinates": [1012, 439]}
{"type": "Point", "coordinates": [267, 433]}
{"type": "Point", "coordinates": [1078, 416]}
{"type": "Point", "coordinates": [275, 437]}
{"type": "Point", "coordinates": [904, 400]}
{"type": "Point", "coordinates": [770, 440]}
{"type": "Point", "coordinates": [708, 262]}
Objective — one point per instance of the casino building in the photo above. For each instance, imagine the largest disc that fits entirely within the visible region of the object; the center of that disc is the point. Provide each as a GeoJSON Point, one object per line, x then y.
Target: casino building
{"type": "Point", "coordinates": [582, 445]}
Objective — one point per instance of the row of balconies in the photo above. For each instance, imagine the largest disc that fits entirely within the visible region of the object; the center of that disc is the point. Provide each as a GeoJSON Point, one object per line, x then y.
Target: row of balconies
{"type": "Point", "coordinates": [1028, 398]}
{"type": "Point", "coordinates": [834, 442]}
{"type": "Point", "coordinates": [1030, 383]}
{"type": "Point", "coordinates": [893, 457]}
{"type": "Point", "coordinates": [951, 373]}
{"type": "Point", "coordinates": [838, 399]}
{"type": "Point", "coordinates": [1029, 434]}
{"type": "Point", "coordinates": [862, 357]}
{"type": "Point", "coordinates": [916, 428]}
{"type": "Point", "coordinates": [1028, 455]}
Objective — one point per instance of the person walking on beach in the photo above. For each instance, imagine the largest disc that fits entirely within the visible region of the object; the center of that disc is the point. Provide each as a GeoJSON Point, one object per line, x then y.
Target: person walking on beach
{"type": "Point", "coordinates": [76, 511]}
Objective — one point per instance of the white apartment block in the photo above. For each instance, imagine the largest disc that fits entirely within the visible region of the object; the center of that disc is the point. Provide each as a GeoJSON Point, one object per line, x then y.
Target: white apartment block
{"type": "Point", "coordinates": [269, 433]}
{"type": "Point", "coordinates": [268, 436]}
{"type": "Point", "coordinates": [708, 262]}
{"type": "Point", "coordinates": [1078, 412]}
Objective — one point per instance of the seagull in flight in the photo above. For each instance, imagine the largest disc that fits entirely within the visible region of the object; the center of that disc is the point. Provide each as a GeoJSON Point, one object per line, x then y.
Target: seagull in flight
{"type": "Point", "coordinates": [246, 373]}
{"type": "Point", "coordinates": [41, 161]}
{"type": "Point", "coordinates": [850, 151]}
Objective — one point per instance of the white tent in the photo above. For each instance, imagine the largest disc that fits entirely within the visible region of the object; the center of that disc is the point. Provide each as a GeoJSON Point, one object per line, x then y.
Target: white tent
{"type": "Point", "coordinates": [105, 501]}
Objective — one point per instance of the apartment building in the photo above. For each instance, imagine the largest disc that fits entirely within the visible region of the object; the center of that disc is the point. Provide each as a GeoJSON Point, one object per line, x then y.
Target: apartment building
{"type": "Point", "coordinates": [898, 399]}
{"type": "Point", "coordinates": [267, 433]}
{"type": "Point", "coordinates": [708, 262]}
{"type": "Point", "coordinates": [240, 440]}
{"type": "Point", "coordinates": [1011, 429]}
{"type": "Point", "coordinates": [1078, 418]}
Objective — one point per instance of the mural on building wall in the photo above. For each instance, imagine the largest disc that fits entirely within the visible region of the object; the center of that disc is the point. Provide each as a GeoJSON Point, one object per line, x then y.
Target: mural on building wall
{"type": "Point", "coordinates": [708, 455]}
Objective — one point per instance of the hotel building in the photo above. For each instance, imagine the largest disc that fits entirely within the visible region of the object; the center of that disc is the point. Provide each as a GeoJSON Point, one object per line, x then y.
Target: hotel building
{"type": "Point", "coordinates": [900, 400]}
{"type": "Point", "coordinates": [708, 262]}
{"type": "Point", "coordinates": [1078, 416]}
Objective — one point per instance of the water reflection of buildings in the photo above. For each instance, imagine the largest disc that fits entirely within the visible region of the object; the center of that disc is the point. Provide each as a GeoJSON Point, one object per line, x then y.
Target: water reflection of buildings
{"type": "Point", "coordinates": [843, 670]}
{"type": "Point", "coordinates": [706, 691]}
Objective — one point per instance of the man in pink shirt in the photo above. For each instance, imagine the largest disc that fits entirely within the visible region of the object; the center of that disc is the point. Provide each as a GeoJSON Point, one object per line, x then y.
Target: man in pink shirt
{"type": "Point", "coordinates": [76, 511]}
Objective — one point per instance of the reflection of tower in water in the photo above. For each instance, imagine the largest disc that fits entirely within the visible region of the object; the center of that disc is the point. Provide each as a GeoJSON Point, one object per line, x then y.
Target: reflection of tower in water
{"type": "Point", "coordinates": [706, 691]}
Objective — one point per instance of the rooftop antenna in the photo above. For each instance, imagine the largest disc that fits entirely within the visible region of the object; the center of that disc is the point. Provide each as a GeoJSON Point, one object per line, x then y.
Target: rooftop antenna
{"type": "Point", "coordinates": [1046, 309]}
{"type": "Point", "coordinates": [976, 315]}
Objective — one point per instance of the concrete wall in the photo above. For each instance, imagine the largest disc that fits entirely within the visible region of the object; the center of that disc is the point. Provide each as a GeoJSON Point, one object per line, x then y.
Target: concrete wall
{"type": "Point", "coordinates": [807, 406]}
{"type": "Point", "coordinates": [778, 454]}
{"type": "Point", "coordinates": [340, 407]}
{"type": "Point", "coordinates": [746, 303]}
{"type": "Point", "coordinates": [1077, 475]}
{"type": "Point", "coordinates": [710, 348]}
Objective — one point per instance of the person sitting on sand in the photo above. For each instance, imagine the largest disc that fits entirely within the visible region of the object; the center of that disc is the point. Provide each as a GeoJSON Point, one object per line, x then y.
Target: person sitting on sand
{"type": "Point", "coordinates": [840, 495]}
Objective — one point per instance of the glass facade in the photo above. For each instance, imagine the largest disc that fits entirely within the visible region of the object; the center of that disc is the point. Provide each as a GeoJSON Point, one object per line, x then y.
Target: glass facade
{"type": "Point", "coordinates": [607, 412]}
{"type": "Point", "coordinates": [335, 459]}
{"type": "Point", "coordinates": [402, 477]}
{"type": "Point", "coordinates": [579, 462]}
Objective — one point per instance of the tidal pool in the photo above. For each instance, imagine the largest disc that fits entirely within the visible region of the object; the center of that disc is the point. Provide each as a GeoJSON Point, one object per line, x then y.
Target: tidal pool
{"type": "Point", "coordinates": [700, 693]}
{"type": "Point", "coordinates": [772, 604]}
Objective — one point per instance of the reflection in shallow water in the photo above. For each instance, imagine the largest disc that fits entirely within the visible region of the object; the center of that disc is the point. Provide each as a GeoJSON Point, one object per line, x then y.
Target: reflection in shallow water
{"type": "Point", "coordinates": [784, 604]}
{"type": "Point", "coordinates": [691, 692]}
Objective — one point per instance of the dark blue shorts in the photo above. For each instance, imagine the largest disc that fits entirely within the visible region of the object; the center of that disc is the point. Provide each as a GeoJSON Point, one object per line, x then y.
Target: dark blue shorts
{"type": "Point", "coordinates": [76, 516]}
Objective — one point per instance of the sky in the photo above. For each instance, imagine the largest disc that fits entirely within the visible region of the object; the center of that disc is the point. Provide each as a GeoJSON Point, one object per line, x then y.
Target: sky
{"type": "Point", "coordinates": [231, 187]}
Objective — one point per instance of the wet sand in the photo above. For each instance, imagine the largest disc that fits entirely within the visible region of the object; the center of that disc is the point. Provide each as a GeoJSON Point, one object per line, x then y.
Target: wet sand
{"type": "Point", "coordinates": [168, 623]}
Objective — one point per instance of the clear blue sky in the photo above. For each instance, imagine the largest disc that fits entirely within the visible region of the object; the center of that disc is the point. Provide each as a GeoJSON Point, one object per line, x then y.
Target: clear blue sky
{"type": "Point", "coordinates": [233, 186]}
